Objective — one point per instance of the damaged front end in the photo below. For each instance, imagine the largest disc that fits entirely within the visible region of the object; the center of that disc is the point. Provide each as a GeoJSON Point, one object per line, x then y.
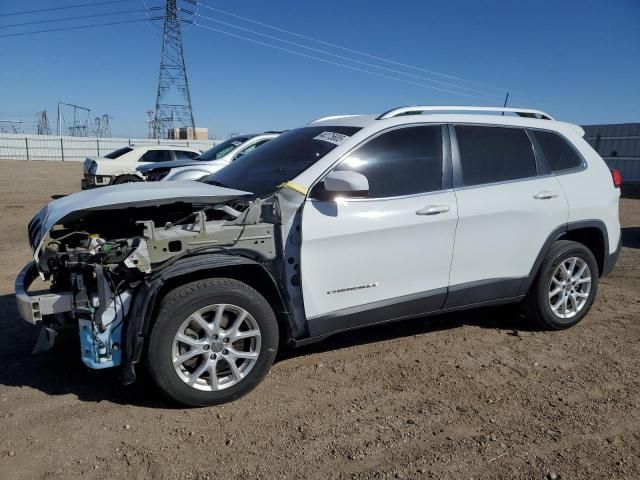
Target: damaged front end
{"type": "Point", "coordinates": [97, 249]}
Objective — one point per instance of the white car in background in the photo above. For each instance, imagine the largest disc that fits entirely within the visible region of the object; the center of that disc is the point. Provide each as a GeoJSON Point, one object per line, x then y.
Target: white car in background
{"type": "Point", "coordinates": [209, 162]}
{"type": "Point", "coordinates": [120, 165]}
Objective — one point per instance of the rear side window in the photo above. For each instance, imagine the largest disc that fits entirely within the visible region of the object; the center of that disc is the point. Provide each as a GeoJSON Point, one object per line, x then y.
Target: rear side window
{"type": "Point", "coordinates": [494, 154]}
{"type": "Point", "coordinates": [559, 154]}
{"type": "Point", "coordinates": [401, 162]}
{"type": "Point", "coordinates": [185, 155]}
{"type": "Point", "coordinates": [157, 156]}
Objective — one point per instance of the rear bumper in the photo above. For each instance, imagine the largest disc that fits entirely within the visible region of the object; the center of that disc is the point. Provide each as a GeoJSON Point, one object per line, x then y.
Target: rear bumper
{"type": "Point", "coordinates": [611, 259]}
{"type": "Point", "coordinates": [94, 181]}
{"type": "Point", "coordinates": [32, 308]}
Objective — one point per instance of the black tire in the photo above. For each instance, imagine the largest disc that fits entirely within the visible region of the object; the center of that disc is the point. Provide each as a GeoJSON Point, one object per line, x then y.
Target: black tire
{"type": "Point", "coordinates": [180, 303]}
{"type": "Point", "coordinates": [537, 304]}
{"type": "Point", "coordinates": [126, 179]}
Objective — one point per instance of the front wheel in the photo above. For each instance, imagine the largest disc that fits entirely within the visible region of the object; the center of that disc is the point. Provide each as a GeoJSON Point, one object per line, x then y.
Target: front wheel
{"type": "Point", "coordinates": [212, 342]}
{"type": "Point", "coordinates": [126, 179]}
{"type": "Point", "coordinates": [565, 287]}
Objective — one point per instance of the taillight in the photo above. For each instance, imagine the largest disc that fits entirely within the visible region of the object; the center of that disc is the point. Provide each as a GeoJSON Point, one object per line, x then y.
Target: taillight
{"type": "Point", "coordinates": [616, 176]}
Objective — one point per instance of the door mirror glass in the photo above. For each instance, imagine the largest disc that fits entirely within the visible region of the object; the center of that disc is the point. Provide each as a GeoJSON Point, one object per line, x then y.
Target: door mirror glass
{"type": "Point", "coordinates": [342, 184]}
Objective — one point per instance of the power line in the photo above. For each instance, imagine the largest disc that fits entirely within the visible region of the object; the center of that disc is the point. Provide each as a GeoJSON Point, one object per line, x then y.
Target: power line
{"type": "Point", "coordinates": [358, 52]}
{"type": "Point", "coordinates": [78, 17]}
{"type": "Point", "coordinates": [61, 29]}
{"type": "Point", "coordinates": [331, 62]}
{"type": "Point", "coordinates": [342, 57]}
{"type": "Point", "coordinates": [79, 5]}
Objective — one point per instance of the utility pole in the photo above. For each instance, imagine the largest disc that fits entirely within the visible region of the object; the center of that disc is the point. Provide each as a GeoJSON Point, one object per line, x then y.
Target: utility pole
{"type": "Point", "coordinates": [172, 79]}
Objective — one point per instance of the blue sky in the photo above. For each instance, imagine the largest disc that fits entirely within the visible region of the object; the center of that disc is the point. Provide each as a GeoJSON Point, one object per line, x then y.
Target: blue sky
{"type": "Point", "coordinates": [578, 60]}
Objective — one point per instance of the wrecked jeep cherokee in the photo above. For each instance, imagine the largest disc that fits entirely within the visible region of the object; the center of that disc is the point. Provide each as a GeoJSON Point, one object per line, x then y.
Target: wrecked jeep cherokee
{"type": "Point", "coordinates": [349, 221]}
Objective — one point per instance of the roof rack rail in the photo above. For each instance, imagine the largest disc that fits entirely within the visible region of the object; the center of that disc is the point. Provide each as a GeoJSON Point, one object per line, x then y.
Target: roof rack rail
{"type": "Point", "coordinates": [331, 117]}
{"type": "Point", "coordinates": [420, 109]}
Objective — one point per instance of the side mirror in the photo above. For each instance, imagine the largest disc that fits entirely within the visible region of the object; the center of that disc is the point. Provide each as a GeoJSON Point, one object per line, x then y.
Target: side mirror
{"type": "Point", "coordinates": [342, 184]}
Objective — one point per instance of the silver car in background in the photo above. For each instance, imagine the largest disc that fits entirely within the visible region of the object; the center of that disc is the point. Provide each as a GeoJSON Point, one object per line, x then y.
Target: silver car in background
{"type": "Point", "coordinates": [208, 162]}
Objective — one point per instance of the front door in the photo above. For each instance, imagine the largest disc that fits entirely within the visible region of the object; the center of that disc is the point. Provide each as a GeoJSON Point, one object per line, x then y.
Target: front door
{"type": "Point", "coordinates": [387, 255]}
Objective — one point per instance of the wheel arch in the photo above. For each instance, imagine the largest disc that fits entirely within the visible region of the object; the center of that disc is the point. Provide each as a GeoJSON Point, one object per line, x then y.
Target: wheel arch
{"type": "Point", "coordinates": [187, 270]}
{"type": "Point", "coordinates": [593, 235]}
{"type": "Point", "coordinates": [590, 233]}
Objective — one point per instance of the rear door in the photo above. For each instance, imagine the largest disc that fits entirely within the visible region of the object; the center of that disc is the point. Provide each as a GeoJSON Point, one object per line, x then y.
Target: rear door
{"type": "Point", "coordinates": [388, 255]}
{"type": "Point", "coordinates": [506, 212]}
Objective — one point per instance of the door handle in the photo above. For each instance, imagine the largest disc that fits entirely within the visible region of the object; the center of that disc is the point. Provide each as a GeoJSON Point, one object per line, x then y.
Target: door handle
{"type": "Point", "coordinates": [545, 195]}
{"type": "Point", "coordinates": [433, 210]}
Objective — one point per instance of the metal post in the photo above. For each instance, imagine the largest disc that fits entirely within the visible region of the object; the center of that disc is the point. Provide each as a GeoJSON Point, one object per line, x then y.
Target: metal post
{"type": "Point", "coordinates": [26, 144]}
{"type": "Point", "coordinates": [62, 149]}
{"type": "Point", "coordinates": [98, 146]}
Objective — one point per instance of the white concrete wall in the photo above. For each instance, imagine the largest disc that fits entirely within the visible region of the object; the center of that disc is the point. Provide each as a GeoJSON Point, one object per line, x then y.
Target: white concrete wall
{"type": "Point", "coordinates": [64, 148]}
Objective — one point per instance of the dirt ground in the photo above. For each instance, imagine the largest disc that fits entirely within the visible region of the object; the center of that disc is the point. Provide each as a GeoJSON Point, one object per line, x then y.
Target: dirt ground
{"type": "Point", "coordinates": [478, 394]}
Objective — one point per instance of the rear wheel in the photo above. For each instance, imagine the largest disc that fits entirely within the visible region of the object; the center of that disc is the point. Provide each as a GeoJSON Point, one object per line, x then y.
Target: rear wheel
{"type": "Point", "coordinates": [213, 341]}
{"type": "Point", "coordinates": [126, 179]}
{"type": "Point", "coordinates": [565, 287]}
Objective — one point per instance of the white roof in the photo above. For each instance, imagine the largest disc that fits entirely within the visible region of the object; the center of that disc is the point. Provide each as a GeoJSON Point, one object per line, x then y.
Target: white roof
{"type": "Point", "coordinates": [164, 147]}
{"type": "Point", "coordinates": [519, 117]}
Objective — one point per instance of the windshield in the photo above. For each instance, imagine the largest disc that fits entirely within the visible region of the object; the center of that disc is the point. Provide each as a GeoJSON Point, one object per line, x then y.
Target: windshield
{"type": "Point", "coordinates": [118, 153]}
{"type": "Point", "coordinates": [280, 159]}
{"type": "Point", "coordinates": [222, 149]}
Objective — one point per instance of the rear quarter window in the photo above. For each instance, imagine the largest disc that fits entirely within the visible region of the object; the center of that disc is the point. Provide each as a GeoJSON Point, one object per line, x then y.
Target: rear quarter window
{"type": "Point", "coordinates": [559, 153]}
{"type": "Point", "coordinates": [118, 153]}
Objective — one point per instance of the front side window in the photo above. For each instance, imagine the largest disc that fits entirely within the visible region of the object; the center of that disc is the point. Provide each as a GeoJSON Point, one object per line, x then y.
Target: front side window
{"type": "Point", "coordinates": [401, 162]}
{"type": "Point", "coordinates": [280, 159]}
{"type": "Point", "coordinates": [559, 154]}
{"type": "Point", "coordinates": [223, 148]}
{"type": "Point", "coordinates": [251, 148]}
{"type": "Point", "coordinates": [157, 156]}
{"type": "Point", "coordinates": [494, 154]}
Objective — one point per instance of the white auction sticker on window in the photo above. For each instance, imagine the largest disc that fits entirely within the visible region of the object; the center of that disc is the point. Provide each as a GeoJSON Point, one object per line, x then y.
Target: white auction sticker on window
{"type": "Point", "coordinates": [332, 137]}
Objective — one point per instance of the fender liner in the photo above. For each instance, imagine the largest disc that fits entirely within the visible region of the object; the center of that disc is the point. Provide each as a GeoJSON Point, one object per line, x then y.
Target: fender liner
{"type": "Point", "coordinates": [146, 297]}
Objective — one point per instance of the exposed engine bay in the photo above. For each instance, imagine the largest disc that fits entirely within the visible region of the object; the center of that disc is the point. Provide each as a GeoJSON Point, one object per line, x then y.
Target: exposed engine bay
{"type": "Point", "coordinates": [96, 259]}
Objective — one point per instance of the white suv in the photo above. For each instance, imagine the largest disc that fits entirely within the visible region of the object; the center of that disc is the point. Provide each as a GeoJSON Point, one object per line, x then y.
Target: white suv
{"type": "Point", "coordinates": [120, 165]}
{"type": "Point", "coordinates": [347, 222]}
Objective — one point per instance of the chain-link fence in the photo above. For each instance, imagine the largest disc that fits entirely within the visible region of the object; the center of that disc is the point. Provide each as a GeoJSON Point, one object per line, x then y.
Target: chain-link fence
{"type": "Point", "coordinates": [63, 148]}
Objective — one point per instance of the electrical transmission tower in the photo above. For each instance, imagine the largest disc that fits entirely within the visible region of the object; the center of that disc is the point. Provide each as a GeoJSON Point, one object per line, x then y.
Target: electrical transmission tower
{"type": "Point", "coordinates": [79, 126]}
{"type": "Point", "coordinates": [173, 102]}
{"type": "Point", "coordinates": [43, 127]}
{"type": "Point", "coordinates": [102, 126]}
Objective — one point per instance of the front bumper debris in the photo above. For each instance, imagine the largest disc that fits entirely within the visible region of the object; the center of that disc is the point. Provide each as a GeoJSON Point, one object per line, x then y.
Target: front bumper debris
{"type": "Point", "coordinates": [33, 308]}
{"type": "Point", "coordinates": [93, 181]}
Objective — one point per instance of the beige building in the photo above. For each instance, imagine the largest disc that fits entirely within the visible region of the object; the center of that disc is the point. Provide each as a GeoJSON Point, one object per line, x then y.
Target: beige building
{"type": "Point", "coordinates": [188, 133]}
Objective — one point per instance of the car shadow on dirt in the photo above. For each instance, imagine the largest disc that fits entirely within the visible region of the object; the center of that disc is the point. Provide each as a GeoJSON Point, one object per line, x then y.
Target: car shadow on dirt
{"type": "Point", "coordinates": [506, 318]}
{"type": "Point", "coordinates": [60, 370]}
{"type": "Point", "coordinates": [631, 237]}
